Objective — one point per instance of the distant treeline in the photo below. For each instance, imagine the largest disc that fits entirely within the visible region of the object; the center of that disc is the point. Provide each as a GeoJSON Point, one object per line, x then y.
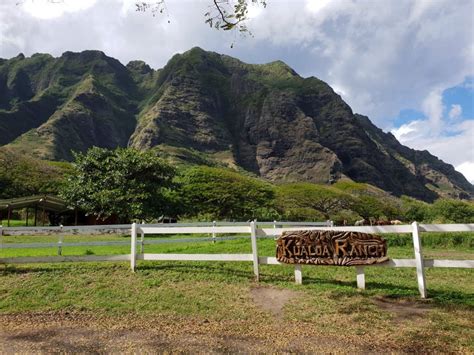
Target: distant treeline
{"type": "Point", "coordinates": [139, 185]}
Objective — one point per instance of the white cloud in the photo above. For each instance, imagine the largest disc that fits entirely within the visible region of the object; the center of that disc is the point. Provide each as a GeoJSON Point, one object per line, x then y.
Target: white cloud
{"type": "Point", "coordinates": [467, 169]}
{"type": "Point", "coordinates": [456, 147]}
{"type": "Point", "coordinates": [455, 112]}
{"type": "Point", "coordinates": [48, 9]}
{"type": "Point", "coordinates": [450, 140]}
{"type": "Point", "coordinates": [316, 6]}
{"type": "Point", "coordinates": [433, 108]}
{"type": "Point", "coordinates": [407, 132]}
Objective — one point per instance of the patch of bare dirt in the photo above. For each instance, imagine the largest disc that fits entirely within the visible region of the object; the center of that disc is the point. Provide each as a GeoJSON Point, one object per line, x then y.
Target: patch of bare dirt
{"type": "Point", "coordinates": [272, 299]}
{"type": "Point", "coordinates": [403, 310]}
{"type": "Point", "coordinates": [62, 332]}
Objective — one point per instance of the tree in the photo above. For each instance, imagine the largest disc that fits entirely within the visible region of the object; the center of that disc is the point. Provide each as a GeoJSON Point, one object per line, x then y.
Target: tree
{"type": "Point", "coordinates": [370, 201]}
{"type": "Point", "coordinates": [125, 182]}
{"type": "Point", "coordinates": [223, 14]}
{"type": "Point", "coordinates": [326, 200]}
{"type": "Point", "coordinates": [224, 194]}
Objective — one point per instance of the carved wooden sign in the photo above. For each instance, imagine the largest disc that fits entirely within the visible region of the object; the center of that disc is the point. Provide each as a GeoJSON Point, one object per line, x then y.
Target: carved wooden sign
{"type": "Point", "coordinates": [331, 248]}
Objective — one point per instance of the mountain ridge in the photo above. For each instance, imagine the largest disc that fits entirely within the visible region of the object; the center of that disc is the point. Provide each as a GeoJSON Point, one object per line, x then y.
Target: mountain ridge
{"type": "Point", "coordinates": [264, 118]}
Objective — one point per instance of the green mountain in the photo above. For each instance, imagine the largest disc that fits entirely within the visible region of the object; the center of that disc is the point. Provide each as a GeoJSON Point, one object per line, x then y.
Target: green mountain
{"type": "Point", "coordinates": [207, 108]}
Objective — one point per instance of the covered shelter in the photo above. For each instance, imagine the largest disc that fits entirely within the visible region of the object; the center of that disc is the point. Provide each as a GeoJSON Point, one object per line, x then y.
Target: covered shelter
{"type": "Point", "coordinates": [40, 203]}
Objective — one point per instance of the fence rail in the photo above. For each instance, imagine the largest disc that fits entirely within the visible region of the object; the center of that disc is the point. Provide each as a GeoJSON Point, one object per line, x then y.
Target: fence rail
{"type": "Point", "coordinates": [125, 228]}
{"type": "Point", "coordinates": [256, 231]}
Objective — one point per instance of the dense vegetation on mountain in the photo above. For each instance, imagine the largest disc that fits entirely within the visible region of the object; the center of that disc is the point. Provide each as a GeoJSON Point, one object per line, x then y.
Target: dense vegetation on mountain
{"type": "Point", "coordinates": [209, 109]}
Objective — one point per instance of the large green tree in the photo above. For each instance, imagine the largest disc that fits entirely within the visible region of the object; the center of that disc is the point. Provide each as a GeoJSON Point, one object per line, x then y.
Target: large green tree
{"type": "Point", "coordinates": [323, 200]}
{"type": "Point", "coordinates": [125, 182]}
{"type": "Point", "coordinates": [223, 194]}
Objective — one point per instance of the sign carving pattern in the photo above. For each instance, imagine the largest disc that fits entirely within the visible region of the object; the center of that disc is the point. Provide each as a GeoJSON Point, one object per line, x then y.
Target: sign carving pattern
{"type": "Point", "coordinates": [331, 248]}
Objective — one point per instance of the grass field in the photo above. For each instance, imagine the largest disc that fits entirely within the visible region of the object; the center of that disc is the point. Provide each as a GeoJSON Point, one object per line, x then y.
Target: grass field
{"type": "Point", "coordinates": [387, 316]}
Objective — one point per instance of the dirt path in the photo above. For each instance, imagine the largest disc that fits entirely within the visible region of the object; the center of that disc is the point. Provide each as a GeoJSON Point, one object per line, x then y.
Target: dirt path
{"type": "Point", "coordinates": [78, 332]}
{"type": "Point", "coordinates": [268, 331]}
{"type": "Point", "coordinates": [272, 299]}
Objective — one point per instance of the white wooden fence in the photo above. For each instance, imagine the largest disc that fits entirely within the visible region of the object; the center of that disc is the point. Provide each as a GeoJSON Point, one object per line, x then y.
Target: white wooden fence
{"type": "Point", "coordinates": [125, 228]}
{"type": "Point", "coordinates": [256, 231]}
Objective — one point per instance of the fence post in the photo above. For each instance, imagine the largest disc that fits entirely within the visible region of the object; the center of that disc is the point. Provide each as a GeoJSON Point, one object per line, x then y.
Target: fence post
{"type": "Point", "coordinates": [298, 274]}
{"type": "Point", "coordinates": [142, 240]}
{"type": "Point", "coordinates": [60, 240]}
{"type": "Point", "coordinates": [274, 224]}
{"type": "Point", "coordinates": [253, 237]}
{"type": "Point", "coordinates": [133, 247]}
{"type": "Point", "coordinates": [213, 231]}
{"type": "Point", "coordinates": [360, 277]}
{"type": "Point", "coordinates": [420, 269]}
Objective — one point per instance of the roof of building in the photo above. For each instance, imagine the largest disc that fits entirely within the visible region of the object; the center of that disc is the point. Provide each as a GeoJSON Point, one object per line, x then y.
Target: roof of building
{"type": "Point", "coordinates": [48, 202]}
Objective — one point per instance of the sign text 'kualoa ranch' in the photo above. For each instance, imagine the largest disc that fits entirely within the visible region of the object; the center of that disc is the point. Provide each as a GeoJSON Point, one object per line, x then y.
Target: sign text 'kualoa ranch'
{"type": "Point", "coordinates": [331, 248]}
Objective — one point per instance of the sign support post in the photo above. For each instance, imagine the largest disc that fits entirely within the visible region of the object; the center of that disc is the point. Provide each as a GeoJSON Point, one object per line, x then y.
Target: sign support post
{"type": "Point", "coordinates": [360, 277]}
{"type": "Point", "coordinates": [298, 274]}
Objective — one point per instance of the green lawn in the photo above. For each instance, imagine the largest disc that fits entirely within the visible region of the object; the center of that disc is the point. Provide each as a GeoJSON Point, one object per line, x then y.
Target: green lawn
{"type": "Point", "coordinates": [21, 222]}
{"type": "Point", "coordinates": [220, 290]}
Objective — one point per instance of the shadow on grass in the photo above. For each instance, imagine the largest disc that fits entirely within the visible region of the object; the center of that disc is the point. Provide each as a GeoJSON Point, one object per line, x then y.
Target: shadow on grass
{"type": "Point", "coordinates": [442, 298]}
{"type": "Point", "coordinates": [194, 271]}
{"type": "Point", "coordinates": [8, 269]}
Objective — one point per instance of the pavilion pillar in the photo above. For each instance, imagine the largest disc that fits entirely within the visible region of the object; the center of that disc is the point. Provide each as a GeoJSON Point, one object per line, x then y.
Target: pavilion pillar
{"type": "Point", "coordinates": [9, 214]}
{"type": "Point", "coordinates": [27, 210]}
{"type": "Point", "coordinates": [36, 213]}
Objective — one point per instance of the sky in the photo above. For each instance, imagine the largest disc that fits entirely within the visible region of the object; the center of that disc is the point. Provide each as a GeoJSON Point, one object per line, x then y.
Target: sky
{"type": "Point", "coordinates": [406, 64]}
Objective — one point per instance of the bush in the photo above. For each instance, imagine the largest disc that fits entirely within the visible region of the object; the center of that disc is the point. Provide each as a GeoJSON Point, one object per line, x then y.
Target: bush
{"type": "Point", "coordinates": [414, 210]}
{"type": "Point", "coordinates": [451, 211]}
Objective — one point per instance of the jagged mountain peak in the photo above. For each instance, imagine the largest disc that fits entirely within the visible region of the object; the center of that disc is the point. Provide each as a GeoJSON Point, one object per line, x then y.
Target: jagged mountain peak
{"type": "Point", "coordinates": [139, 67]}
{"type": "Point", "coordinates": [263, 118]}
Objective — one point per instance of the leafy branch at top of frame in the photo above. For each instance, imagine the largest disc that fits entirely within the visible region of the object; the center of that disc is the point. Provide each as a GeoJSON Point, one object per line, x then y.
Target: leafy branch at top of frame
{"type": "Point", "coordinates": [228, 15]}
{"type": "Point", "coordinates": [155, 7]}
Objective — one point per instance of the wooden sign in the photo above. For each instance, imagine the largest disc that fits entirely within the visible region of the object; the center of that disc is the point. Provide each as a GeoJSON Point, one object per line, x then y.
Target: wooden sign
{"type": "Point", "coordinates": [331, 248]}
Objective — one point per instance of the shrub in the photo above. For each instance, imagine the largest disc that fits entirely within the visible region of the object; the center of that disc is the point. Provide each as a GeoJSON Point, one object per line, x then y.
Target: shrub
{"type": "Point", "coordinates": [452, 211]}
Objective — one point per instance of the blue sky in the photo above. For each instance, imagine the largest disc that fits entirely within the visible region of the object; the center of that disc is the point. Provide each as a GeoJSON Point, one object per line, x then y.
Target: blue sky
{"type": "Point", "coordinates": [407, 64]}
{"type": "Point", "coordinates": [460, 95]}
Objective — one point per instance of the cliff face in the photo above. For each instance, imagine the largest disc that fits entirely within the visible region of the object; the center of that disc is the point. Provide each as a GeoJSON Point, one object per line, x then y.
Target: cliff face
{"type": "Point", "coordinates": [263, 118]}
